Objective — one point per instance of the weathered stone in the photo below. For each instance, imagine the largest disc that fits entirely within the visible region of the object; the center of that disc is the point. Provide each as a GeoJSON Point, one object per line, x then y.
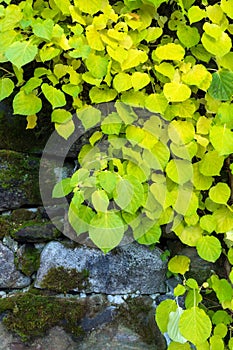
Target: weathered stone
{"type": "Point", "coordinates": [124, 270]}
{"type": "Point", "coordinates": [19, 183]}
{"type": "Point", "coordinates": [36, 232]}
{"type": "Point", "coordinates": [9, 276]}
{"type": "Point", "coordinates": [28, 259]}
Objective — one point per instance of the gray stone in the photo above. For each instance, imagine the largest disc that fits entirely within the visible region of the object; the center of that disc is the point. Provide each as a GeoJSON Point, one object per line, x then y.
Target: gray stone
{"type": "Point", "coordinates": [19, 185]}
{"type": "Point", "coordinates": [9, 276]}
{"type": "Point", "coordinates": [127, 269]}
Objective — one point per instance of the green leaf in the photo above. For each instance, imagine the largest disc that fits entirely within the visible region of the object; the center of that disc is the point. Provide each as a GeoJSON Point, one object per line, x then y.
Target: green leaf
{"type": "Point", "coordinates": [220, 193]}
{"type": "Point", "coordinates": [62, 188]}
{"type": "Point", "coordinates": [221, 330]}
{"type": "Point", "coordinates": [198, 76]}
{"type": "Point", "coordinates": [122, 82]}
{"type": "Point", "coordinates": [190, 235]}
{"type": "Point", "coordinates": [221, 87]}
{"type": "Point", "coordinates": [201, 325]}
{"type": "Point", "coordinates": [193, 298]}
{"type": "Point", "coordinates": [26, 104]}
{"type": "Point", "coordinates": [179, 264]}
{"type": "Point", "coordinates": [97, 65]}
{"type": "Point", "coordinates": [169, 51]}
{"type": "Point", "coordinates": [224, 115]}
{"type": "Point", "coordinates": [179, 171]}
{"type": "Point", "coordinates": [147, 232]}
{"type": "Point", "coordinates": [91, 7]}
{"type": "Point", "coordinates": [179, 290]}
{"type": "Point", "coordinates": [222, 139]}
{"type": "Point", "coordinates": [195, 14]}
{"type": "Point", "coordinates": [156, 103]}
{"type": "Point", "coordinates": [43, 29]}
{"type": "Point", "coordinates": [32, 84]}
{"type": "Point", "coordinates": [209, 248]}
{"type": "Point", "coordinates": [47, 53]}
{"type": "Point", "coordinates": [181, 132]}
{"type": "Point", "coordinates": [107, 180]}
{"type": "Point", "coordinates": [176, 92]}
{"type": "Point", "coordinates": [79, 217]}
{"type": "Point", "coordinates": [111, 124]}
{"type": "Point", "coordinates": [21, 52]}
{"type": "Point", "coordinates": [104, 94]}
{"type": "Point", "coordinates": [60, 116]}
{"type": "Point", "coordinates": [140, 80]}
{"type": "Point", "coordinates": [63, 6]}
{"type": "Point", "coordinates": [134, 58]}
{"type": "Point", "coordinates": [89, 117]}
{"type": "Point", "coordinates": [71, 89]}
{"type": "Point", "coordinates": [106, 230]}
{"type": "Point", "coordinates": [100, 200]}
{"type": "Point", "coordinates": [208, 223]}
{"type": "Point", "coordinates": [79, 176]}
{"type": "Point", "coordinates": [211, 164]}
{"type": "Point", "coordinates": [192, 283]}
{"type": "Point", "coordinates": [65, 129]}
{"type": "Point", "coordinates": [173, 326]}
{"type": "Point", "coordinates": [55, 96]}
{"type": "Point", "coordinates": [6, 87]}
{"type": "Point", "coordinates": [188, 36]}
{"type": "Point", "coordinates": [221, 316]}
{"type": "Point", "coordinates": [162, 313]}
{"type": "Point", "coordinates": [219, 46]}
{"type": "Point", "coordinates": [222, 288]}
{"type": "Point", "coordinates": [178, 346]}
{"type": "Point", "coordinates": [224, 220]}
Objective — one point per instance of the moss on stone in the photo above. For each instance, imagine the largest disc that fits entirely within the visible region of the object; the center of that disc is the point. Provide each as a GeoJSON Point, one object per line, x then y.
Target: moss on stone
{"type": "Point", "coordinates": [63, 280]}
{"type": "Point", "coordinates": [30, 315]}
{"type": "Point", "coordinates": [29, 261]}
{"type": "Point", "coordinates": [5, 226]}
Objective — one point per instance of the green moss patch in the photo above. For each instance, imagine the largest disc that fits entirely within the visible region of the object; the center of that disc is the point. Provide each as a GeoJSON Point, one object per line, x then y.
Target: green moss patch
{"type": "Point", "coordinates": [63, 280]}
{"type": "Point", "coordinates": [30, 315]}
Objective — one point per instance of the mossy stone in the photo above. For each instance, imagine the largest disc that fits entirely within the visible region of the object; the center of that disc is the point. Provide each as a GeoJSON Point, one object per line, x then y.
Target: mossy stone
{"type": "Point", "coordinates": [62, 280]}
{"type": "Point", "coordinates": [31, 315]}
{"type": "Point", "coordinates": [19, 183]}
{"type": "Point", "coordinates": [28, 260]}
{"type": "Point", "coordinates": [5, 226]}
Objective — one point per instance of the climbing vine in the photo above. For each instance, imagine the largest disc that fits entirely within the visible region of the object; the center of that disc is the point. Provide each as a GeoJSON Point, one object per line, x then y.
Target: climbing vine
{"type": "Point", "coordinates": [170, 166]}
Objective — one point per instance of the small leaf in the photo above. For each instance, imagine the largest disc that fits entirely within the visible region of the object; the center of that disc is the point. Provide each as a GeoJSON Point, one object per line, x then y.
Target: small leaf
{"type": "Point", "coordinates": [89, 117]}
{"type": "Point", "coordinates": [208, 223]}
{"type": "Point", "coordinates": [26, 104]}
{"type": "Point", "coordinates": [60, 116]}
{"type": "Point", "coordinates": [31, 121]}
{"type": "Point", "coordinates": [65, 129]}
{"type": "Point", "coordinates": [221, 87]}
{"type": "Point", "coordinates": [179, 264]}
{"type": "Point", "coordinates": [201, 325]}
{"type": "Point", "coordinates": [220, 193]}
{"type": "Point", "coordinates": [55, 96]}
{"type": "Point", "coordinates": [179, 290]}
{"type": "Point", "coordinates": [162, 313]}
{"type": "Point", "coordinates": [21, 52]}
{"type": "Point", "coordinates": [6, 87]}
{"type": "Point", "coordinates": [209, 248]}
{"type": "Point", "coordinates": [169, 52]}
{"type": "Point", "coordinates": [62, 188]}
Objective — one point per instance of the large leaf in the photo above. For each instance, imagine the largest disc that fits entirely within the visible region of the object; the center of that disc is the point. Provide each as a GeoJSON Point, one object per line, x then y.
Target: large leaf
{"type": "Point", "coordinates": [55, 96]}
{"type": "Point", "coordinates": [6, 87]}
{"type": "Point", "coordinates": [176, 92]}
{"type": "Point", "coordinates": [221, 87]}
{"type": "Point", "coordinates": [26, 104]}
{"type": "Point", "coordinates": [122, 82]}
{"type": "Point", "coordinates": [21, 52]}
{"type": "Point", "coordinates": [162, 313]}
{"type": "Point", "coordinates": [209, 248]}
{"type": "Point", "coordinates": [181, 132]}
{"type": "Point", "coordinates": [169, 51]}
{"type": "Point", "coordinates": [195, 325]}
{"type": "Point", "coordinates": [43, 29]}
{"type": "Point", "coordinates": [222, 139]}
{"type": "Point", "coordinates": [219, 46]}
{"type": "Point", "coordinates": [106, 230]}
{"type": "Point", "coordinates": [179, 171]}
{"type": "Point", "coordinates": [211, 164]}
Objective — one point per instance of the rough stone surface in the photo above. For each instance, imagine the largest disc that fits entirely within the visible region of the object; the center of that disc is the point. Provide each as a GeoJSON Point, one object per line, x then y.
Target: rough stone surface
{"type": "Point", "coordinates": [125, 270]}
{"type": "Point", "coordinates": [19, 185]}
{"type": "Point", "coordinates": [36, 233]}
{"type": "Point", "coordinates": [9, 276]}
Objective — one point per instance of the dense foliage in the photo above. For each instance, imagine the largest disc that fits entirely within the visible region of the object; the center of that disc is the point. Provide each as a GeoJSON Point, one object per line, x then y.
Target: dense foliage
{"type": "Point", "coordinates": [138, 173]}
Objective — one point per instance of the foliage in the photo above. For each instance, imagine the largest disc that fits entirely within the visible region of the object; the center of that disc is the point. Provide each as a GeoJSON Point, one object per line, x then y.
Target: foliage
{"type": "Point", "coordinates": [198, 324]}
{"type": "Point", "coordinates": [139, 174]}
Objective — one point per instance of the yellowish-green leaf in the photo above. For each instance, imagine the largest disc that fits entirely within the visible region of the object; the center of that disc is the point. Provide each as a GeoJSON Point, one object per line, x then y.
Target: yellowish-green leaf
{"type": "Point", "coordinates": [55, 96]}
{"type": "Point", "coordinates": [139, 80]}
{"type": "Point", "coordinates": [91, 7]}
{"type": "Point", "coordinates": [31, 121]}
{"type": "Point", "coordinates": [195, 14]}
{"type": "Point", "coordinates": [198, 76]}
{"type": "Point", "coordinates": [65, 129]}
{"type": "Point", "coordinates": [209, 248]}
{"type": "Point", "coordinates": [179, 264]}
{"type": "Point", "coordinates": [211, 164]}
{"type": "Point", "coordinates": [99, 95]}
{"type": "Point", "coordinates": [6, 87]}
{"type": "Point", "coordinates": [63, 6]}
{"type": "Point", "coordinates": [156, 103]}
{"type": "Point", "coordinates": [43, 29]}
{"type": "Point", "coordinates": [89, 117]}
{"type": "Point", "coordinates": [219, 46]}
{"type": "Point", "coordinates": [162, 313]}
{"type": "Point", "coordinates": [61, 116]}
{"type": "Point", "coordinates": [208, 223]}
{"type": "Point", "coordinates": [21, 52]}
{"type": "Point", "coordinates": [179, 171]}
{"type": "Point", "coordinates": [122, 82]}
{"type": "Point", "coordinates": [188, 36]}
{"type": "Point", "coordinates": [176, 92]}
{"type": "Point", "coordinates": [181, 132]}
{"type": "Point", "coordinates": [227, 7]}
{"type": "Point", "coordinates": [134, 58]}
{"type": "Point", "coordinates": [100, 200]}
{"type": "Point", "coordinates": [169, 51]}
{"type": "Point", "coordinates": [220, 193]}
{"type": "Point", "coordinates": [26, 104]}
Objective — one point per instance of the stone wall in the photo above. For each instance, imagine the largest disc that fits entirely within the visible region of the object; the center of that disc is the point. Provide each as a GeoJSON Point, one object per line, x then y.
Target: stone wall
{"type": "Point", "coordinates": [56, 293]}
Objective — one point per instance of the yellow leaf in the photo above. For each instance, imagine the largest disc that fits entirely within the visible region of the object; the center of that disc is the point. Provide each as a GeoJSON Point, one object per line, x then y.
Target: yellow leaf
{"type": "Point", "coordinates": [176, 92]}
{"type": "Point", "coordinates": [31, 119]}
